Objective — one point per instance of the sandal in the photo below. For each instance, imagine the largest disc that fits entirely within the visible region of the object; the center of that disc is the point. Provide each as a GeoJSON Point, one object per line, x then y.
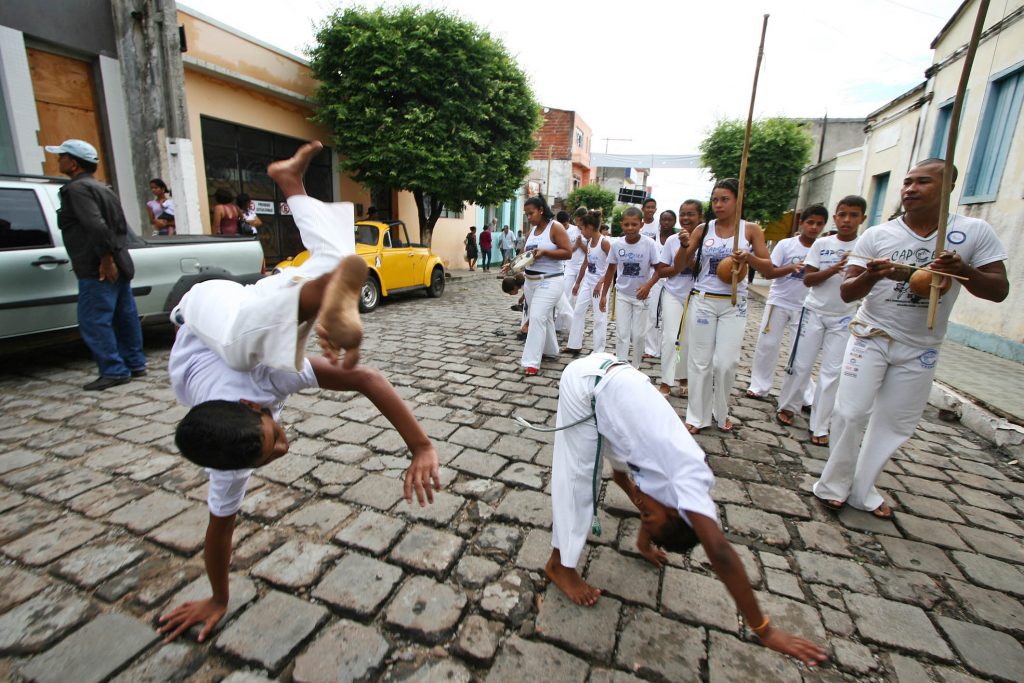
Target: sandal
{"type": "Point", "coordinates": [756, 397]}
{"type": "Point", "coordinates": [820, 440]}
{"type": "Point", "coordinates": [883, 511]}
{"type": "Point", "coordinates": [784, 418]}
{"type": "Point", "coordinates": [727, 429]}
{"type": "Point", "coordinates": [834, 505]}
{"type": "Point", "coordinates": [693, 430]}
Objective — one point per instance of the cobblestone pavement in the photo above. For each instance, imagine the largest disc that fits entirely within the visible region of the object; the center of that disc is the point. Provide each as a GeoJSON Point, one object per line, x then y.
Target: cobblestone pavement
{"type": "Point", "coordinates": [336, 578]}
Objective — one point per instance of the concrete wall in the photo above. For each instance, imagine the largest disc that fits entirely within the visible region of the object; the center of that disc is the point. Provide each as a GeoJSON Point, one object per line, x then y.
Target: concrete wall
{"type": "Point", "coordinates": [84, 26]}
{"type": "Point", "coordinates": [889, 148]}
{"type": "Point", "coordinates": [448, 235]}
{"type": "Point", "coordinates": [561, 177]}
{"type": "Point", "coordinates": [840, 135]}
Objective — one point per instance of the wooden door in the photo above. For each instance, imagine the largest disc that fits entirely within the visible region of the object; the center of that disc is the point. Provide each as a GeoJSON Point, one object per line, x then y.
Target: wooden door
{"type": "Point", "coordinates": [66, 103]}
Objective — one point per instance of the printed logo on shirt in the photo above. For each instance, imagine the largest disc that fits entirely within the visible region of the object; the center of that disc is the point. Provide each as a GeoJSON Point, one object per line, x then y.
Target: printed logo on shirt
{"type": "Point", "coordinates": [956, 237]}
{"type": "Point", "coordinates": [929, 358]}
{"type": "Point", "coordinates": [741, 308]}
{"type": "Point", "coordinates": [703, 321]}
{"type": "Point", "coordinates": [845, 321]}
{"type": "Point", "coordinates": [630, 270]}
{"type": "Point", "coordinates": [591, 267]}
{"type": "Point", "coordinates": [709, 242]}
{"type": "Point", "coordinates": [531, 247]}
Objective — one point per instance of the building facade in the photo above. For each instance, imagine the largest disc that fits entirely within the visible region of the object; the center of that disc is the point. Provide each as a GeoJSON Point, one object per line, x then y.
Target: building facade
{"type": "Point", "coordinates": [560, 162]}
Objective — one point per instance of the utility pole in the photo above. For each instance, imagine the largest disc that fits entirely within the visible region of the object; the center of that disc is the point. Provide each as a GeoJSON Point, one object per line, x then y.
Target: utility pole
{"type": "Point", "coordinates": [606, 140]}
{"type": "Point", "coordinates": [547, 183]}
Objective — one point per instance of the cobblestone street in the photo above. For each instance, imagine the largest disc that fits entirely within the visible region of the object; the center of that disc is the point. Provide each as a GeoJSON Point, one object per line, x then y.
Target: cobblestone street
{"type": "Point", "coordinates": [335, 578]}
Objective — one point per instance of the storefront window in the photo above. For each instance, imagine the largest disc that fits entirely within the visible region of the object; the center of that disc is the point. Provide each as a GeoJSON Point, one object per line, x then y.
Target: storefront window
{"type": "Point", "coordinates": [236, 159]}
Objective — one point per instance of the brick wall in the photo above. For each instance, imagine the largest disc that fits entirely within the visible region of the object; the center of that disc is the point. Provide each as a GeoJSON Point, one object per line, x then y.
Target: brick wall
{"type": "Point", "coordinates": [556, 133]}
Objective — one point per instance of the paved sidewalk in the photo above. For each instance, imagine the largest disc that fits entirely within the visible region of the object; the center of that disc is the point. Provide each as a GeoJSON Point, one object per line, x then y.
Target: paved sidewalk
{"type": "Point", "coordinates": [335, 578]}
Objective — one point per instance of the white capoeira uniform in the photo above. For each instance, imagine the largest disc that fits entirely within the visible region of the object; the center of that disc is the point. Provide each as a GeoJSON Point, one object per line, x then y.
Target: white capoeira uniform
{"type": "Point", "coordinates": [675, 294]}
{"type": "Point", "coordinates": [824, 328]}
{"type": "Point", "coordinates": [543, 290]}
{"type": "Point", "coordinates": [596, 265]}
{"type": "Point", "coordinates": [573, 265]}
{"type": "Point", "coordinates": [246, 341]}
{"type": "Point", "coordinates": [890, 359]}
{"type": "Point", "coordinates": [715, 330]}
{"type": "Point", "coordinates": [639, 432]}
{"type": "Point", "coordinates": [656, 313]}
{"type": "Point", "coordinates": [634, 264]}
{"type": "Point", "coordinates": [781, 311]}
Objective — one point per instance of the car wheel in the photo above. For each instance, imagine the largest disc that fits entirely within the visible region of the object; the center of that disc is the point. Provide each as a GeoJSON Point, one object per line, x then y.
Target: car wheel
{"type": "Point", "coordinates": [436, 287]}
{"type": "Point", "coordinates": [369, 298]}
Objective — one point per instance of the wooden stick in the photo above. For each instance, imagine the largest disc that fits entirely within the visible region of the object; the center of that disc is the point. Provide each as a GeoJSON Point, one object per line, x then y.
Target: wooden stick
{"type": "Point", "coordinates": [743, 163]}
{"type": "Point", "coordinates": [947, 171]}
{"type": "Point", "coordinates": [911, 265]}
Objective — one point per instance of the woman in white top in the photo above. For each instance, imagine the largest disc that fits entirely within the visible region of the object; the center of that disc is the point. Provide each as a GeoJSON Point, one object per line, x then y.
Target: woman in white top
{"type": "Point", "coordinates": [579, 254]}
{"type": "Point", "coordinates": [160, 208]}
{"type": "Point", "coordinates": [714, 326]}
{"type": "Point", "coordinates": [549, 242]}
{"type": "Point", "coordinates": [587, 287]}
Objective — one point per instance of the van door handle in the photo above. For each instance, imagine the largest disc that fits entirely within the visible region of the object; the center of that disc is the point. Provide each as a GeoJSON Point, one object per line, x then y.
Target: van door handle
{"type": "Point", "coordinates": [50, 261]}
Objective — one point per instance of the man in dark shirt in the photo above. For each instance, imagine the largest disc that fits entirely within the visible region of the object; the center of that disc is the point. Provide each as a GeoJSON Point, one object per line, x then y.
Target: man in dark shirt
{"type": "Point", "coordinates": [96, 238]}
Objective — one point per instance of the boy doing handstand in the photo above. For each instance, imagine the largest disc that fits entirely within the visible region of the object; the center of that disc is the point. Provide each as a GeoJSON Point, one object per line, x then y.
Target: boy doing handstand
{"type": "Point", "coordinates": [601, 404]}
{"type": "Point", "coordinates": [239, 353]}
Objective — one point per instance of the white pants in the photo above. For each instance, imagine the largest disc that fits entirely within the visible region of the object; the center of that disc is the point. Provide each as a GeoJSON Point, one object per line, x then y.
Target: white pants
{"type": "Point", "coordinates": [882, 392]}
{"type": "Point", "coordinates": [586, 300]}
{"type": "Point", "coordinates": [563, 313]}
{"type": "Point", "coordinates": [259, 323]}
{"type": "Point", "coordinates": [655, 320]}
{"type": "Point", "coordinates": [630, 327]}
{"type": "Point", "coordinates": [673, 340]}
{"type": "Point", "coordinates": [571, 272]}
{"type": "Point", "coordinates": [827, 334]}
{"type": "Point", "coordinates": [715, 330]}
{"type": "Point", "coordinates": [769, 341]}
{"type": "Point", "coordinates": [542, 296]}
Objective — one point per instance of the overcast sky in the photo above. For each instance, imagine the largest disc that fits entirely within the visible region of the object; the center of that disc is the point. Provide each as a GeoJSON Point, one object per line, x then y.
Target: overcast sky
{"type": "Point", "coordinates": [661, 73]}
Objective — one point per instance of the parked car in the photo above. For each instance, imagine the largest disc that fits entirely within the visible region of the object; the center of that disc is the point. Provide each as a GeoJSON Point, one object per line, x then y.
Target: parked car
{"type": "Point", "coordinates": [39, 291]}
{"type": "Point", "coordinates": [395, 263]}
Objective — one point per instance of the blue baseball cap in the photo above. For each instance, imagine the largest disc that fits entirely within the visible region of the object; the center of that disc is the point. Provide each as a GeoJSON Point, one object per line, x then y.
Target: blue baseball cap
{"type": "Point", "coordinates": [80, 149]}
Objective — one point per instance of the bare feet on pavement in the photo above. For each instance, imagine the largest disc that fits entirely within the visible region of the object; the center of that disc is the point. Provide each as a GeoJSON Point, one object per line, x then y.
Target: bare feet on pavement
{"type": "Point", "coordinates": [570, 582]}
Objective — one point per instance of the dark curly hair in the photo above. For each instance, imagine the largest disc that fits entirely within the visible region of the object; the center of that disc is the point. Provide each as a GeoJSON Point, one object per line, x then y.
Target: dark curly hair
{"type": "Point", "coordinates": [221, 435]}
{"type": "Point", "coordinates": [675, 536]}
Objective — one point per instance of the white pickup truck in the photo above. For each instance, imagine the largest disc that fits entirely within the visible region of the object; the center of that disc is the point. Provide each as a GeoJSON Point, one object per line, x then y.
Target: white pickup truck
{"type": "Point", "coordinates": [39, 291]}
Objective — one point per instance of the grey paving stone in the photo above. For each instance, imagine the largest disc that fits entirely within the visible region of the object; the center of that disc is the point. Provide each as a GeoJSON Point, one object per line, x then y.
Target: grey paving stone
{"type": "Point", "coordinates": [990, 520]}
{"type": "Point", "coordinates": [480, 439]}
{"type": "Point", "coordinates": [859, 520]}
{"type": "Point", "coordinates": [336, 474]}
{"type": "Point", "coordinates": [993, 544]}
{"type": "Point", "coordinates": [320, 517]}
{"type": "Point", "coordinates": [618, 503]}
{"type": "Point", "coordinates": [39, 622]}
{"type": "Point", "coordinates": [793, 616]}
{"type": "Point", "coordinates": [89, 566]}
{"type": "Point", "coordinates": [509, 599]}
{"type": "Point", "coordinates": [296, 564]}
{"type": "Point", "coordinates": [370, 531]}
{"type": "Point", "coordinates": [439, 513]}
{"type": "Point", "coordinates": [526, 507]}
{"type": "Point", "coordinates": [10, 499]}
{"type": "Point", "coordinates": [170, 663]}
{"type": "Point", "coordinates": [629, 578]}
{"type": "Point", "coordinates": [15, 460]}
{"type": "Point", "coordinates": [425, 610]}
{"type": "Point", "coordinates": [984, 651]}
{"type": "Point", "coordinates": [929, 531]}
{"type": "Point", "coordinates": [820, 568]}
{"type": "Point", "coordinates": [836, 621]}
{"type": "Point", "coordinates": [479, 464]}
{"type": "Point", "coordinates": [783, 583]}
{"type": "Point", "coordinates": [26, 517]}
{"type": "Point", "coordinates": [92, 653]}
{"type": "Point", "coordinates": [345, 651]}
{"type": "Point", "coordinates": [149, 512]}
{"type": "Point", "coordinates": [66, 487]}
{"type": "Point", "coordinates": [777, 499]}
{"type": "Point", "coordinates": [991, 573]}
{"type": "Point", "coordinates": [919, 556]}
{"type": "Point", "coordinates": [427, 550]}
{"type": "Point", "coordinates": [430, 668]}
{"type": "Point", "coordinates": [269, 632]}
{"type": "Point", "coordinates": [612, 676]}
{"type": "Point", "coordinates": [652, 646]}
{"type": "Point", "coordinates": [104, 499]}
{"type": "Point", "coordinates": [894, 624]}
{"type": "Point", "coordinates": [497, 539]}
{"type": "Point", "coordinates": [241, 591]}
{"type": "Point", "coordinates": [724, 491]}
{"type": "Point", "coordinates": [853, 656]}
{"type": "Point", "coordinates": [982, 499]}
{"type": "Point", "coordinates": [908, 586]}
{"type": "Point", "coordinates": [587, 631]}
{"type": "Point", "coordinates": [271, 502]}
{"type": "Point", "coordinates": [183, 533]}
{"type": "Point", "coordinates": [524, 474]}
{"type": "Point", "coordinates": [536, 549]}
{"type": "Point", "coordinates": [698, 599]}
{"type": "Point", "coordinates": [758, 525]}
{"type": "Point", "coordinates": [19, 585]}
{"type": "Point", "coordinates": [825, 537]}
{"type": "Point", "coordinates": [991, 607]}
{"type": "Point", "coordinates": [473, 571]}
{"type": "Point", "coordinates": [733, 660]}
{"type": "Point", "coordinates": [358, 585]}
{"type": "Point", "coordinates": [478, 639]}
{"type": "Point", "coordinates": [928, 507]}
{"type": "Point", "coordinates": [375, 491]}
{"type": "Point", "coordinates": [482, 489]}
{"type": "Point", "coordinates": [698, 558]}
{"type": "Point", "coordinates": [45, 545]}
{"type": "Point", "coordinates": [733, 468]}
{"type": "Point", "coordinates": [521, 660]}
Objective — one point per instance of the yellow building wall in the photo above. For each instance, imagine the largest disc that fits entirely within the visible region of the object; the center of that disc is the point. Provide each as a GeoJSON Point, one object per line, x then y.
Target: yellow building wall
{"type": "Point", "coordinates": [449, 233]}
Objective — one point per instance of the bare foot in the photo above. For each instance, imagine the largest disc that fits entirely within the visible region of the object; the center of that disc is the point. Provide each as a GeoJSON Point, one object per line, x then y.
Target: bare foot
{"type": "Point", "coordinates": [570, 582]}
{"type": "Point", "coordinates": [339, 312]}
{"type": "Point", "coordinates": [288, 173]}
{"type": "Point", "coordinates": [665, 389]}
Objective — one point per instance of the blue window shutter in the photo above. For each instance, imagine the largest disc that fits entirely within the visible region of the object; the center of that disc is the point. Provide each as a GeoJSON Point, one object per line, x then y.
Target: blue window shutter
{"type": "Point", "coordinates": [995, 135]}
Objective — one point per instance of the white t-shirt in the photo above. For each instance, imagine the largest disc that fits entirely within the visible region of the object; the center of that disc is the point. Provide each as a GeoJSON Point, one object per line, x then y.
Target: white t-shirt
{"type": "Point", "coordinates": [680, 284]}
{"type": "Point", "coordinates": [788, 291]}
{"type": "Point", "coordinates": [572, 266]}
{"type": "Point", "coordinates": [633, 262]}
{"type": "Point", "coordinates": [199, 375]}
{"type": "Point", "coordinates": [651, 229]}
{"type": "Point", "coordinates": [507, 241]}
{"type": "Point", "coordinates": [824, 298]}
{"type": "Point", "coordinates": [890, 305]}
{"type": "Point", "coordinates": [665, 461]}
{"type": "Point", "coordinates": [714, 251]}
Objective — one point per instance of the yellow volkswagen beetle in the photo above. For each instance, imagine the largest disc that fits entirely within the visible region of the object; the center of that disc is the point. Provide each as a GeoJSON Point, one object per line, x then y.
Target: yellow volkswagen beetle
{"type": "Point", "coordinates": [396, 264]}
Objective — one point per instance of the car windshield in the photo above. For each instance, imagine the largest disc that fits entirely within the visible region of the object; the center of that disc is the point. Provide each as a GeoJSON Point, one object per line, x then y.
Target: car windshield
{"type": "Point", "coordinates": [367, 234]}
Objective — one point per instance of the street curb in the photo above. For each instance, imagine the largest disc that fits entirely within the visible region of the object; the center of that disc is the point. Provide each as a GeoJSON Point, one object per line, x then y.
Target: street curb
{"type": "Point", "coordinates": [989, 426]}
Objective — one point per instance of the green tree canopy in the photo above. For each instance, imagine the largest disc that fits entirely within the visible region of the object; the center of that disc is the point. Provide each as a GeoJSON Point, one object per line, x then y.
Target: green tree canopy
{"type": "Point", "coordinates": [593, 197]}
{"type": "Point", "coordinates": [425, 101]}
{"type": "Point", "coordinates": [779, 150]}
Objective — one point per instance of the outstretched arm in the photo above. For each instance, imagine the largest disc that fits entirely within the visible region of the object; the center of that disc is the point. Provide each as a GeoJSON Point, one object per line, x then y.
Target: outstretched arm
{"type": "Point", "coordinates": [726, 564]}
{"type": "Point", "coordinates": [655, 556]}
{"type": "Point", "coordinates": [373, 385]}
{"type": "Point", "coordinates": [217, 556]}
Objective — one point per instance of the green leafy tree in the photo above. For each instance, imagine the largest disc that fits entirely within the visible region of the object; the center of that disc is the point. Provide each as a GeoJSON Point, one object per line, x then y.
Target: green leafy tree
{"type": "Point", "coordinates": [424, 101]}
{"type": "Point", "coordinates": [593, 197]}
{"type": "Point", "coordinates": [779, 150]}
{"type": "Point", "coordinates": [617, 219]}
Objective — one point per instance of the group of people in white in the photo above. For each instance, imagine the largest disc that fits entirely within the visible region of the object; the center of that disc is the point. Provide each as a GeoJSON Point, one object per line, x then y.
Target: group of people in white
{"type": "Point", "coordinates": [845, 299]}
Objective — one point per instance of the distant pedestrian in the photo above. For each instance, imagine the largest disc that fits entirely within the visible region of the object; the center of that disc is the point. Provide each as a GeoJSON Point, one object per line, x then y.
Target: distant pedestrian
{"type": "Point", "coordinates": [249, 217]}
{"type": "Point", "coordinates": [160, 208]}
{"type": "Point", "coordinates": [226, 214]}
{"type": "Point", "coordinates": [519, 241]}
{"type": "Point", "coordinates": [96, 238]}
{"type": "Point", "coordinates": [507, 243]}
{"type": "Point", "coordinates": [471, 250]}
{"type": "Point", "coordinates": [485, 247]}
